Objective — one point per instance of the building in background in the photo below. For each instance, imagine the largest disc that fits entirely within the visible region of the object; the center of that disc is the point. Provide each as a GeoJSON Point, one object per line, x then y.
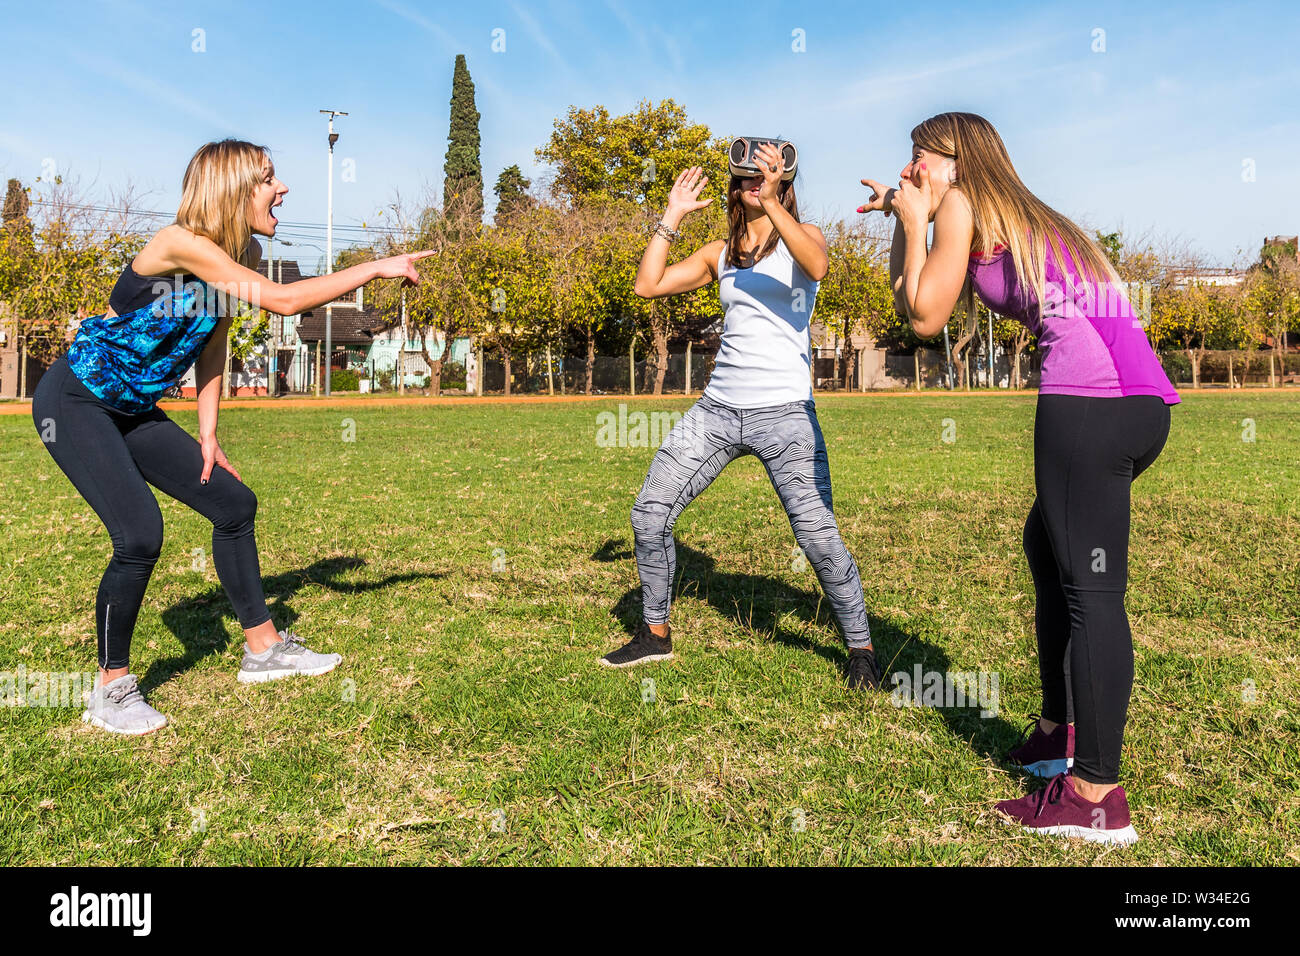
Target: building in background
{"type": "Point", "coordinates": [363, 341]}
{"type": "Point", "coordinates": [1292, 241]}
{"type": "Point", "coordinates": [1210, 275]}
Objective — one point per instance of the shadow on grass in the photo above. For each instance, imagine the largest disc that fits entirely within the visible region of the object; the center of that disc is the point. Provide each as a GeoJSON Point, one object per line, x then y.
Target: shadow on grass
{"type": "Point", "coordinates": [759, 602]}
{"type": "Point", "coordinates": [199, 622]}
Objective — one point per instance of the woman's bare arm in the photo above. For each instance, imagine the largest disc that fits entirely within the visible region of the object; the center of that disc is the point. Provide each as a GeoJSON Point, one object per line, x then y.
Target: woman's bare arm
{"type": "Point", "coordinates": [178, 250]}
{"type": "Point", "coordinates": [930, 281]}
{"type": "Point", "coordinates": [897, 249]}
{"type": "Point", "coordinates": [655, 279]}
{"type": "Point", "coordinates": [208, 373]}
{"type": "Point", "coordinates": [806, 243]}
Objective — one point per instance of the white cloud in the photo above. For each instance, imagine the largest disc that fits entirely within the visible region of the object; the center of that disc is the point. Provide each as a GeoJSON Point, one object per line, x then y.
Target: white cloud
{"type": "Point", "coordinates": [540, 38]}
{"type": "Point", "coordinates": [406, 13]}
{"type": "Point", "coordinates": [150, 87]}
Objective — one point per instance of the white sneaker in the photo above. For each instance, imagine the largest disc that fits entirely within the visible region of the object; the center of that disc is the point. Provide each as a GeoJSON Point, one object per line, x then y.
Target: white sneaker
{"type": "Point", "coordinates": [120, 708]}
{"type": "Point", "coordinates": [287, 657]}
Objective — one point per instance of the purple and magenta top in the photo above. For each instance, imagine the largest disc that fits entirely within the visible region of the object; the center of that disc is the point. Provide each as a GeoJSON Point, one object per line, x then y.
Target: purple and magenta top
{"type": "Point", "coordinates": [1092, 340]}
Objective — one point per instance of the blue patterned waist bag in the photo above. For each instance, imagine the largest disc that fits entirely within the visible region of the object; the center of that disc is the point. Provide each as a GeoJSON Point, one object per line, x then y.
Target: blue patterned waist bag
{"type": "Point", "coordinates": [130, 360]}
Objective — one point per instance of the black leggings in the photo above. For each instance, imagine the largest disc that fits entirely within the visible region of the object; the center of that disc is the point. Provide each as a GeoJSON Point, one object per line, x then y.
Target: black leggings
{"type": "Point", "coordinates": [1087, 451]}
{"type": "Point", "coordinates": [109, 455]}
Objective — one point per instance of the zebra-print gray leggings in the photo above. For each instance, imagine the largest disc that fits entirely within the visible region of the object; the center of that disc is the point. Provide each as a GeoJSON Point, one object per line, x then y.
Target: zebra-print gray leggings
{"type": "Point", "coordinates": [788, 441]}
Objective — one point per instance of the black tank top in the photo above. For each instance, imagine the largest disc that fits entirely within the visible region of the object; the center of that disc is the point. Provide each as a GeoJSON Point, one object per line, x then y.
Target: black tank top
{"type": "Point", "coordinates": [133, 291]}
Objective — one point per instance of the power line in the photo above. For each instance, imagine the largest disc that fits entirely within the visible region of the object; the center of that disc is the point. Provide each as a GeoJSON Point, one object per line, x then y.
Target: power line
{"type": "Point", "coordinates": [158, 214]}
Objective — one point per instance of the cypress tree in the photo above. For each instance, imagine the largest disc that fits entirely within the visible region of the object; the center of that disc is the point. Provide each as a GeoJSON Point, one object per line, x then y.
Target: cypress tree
{"type": "Point", "coordinates": [462, 186]}
{"type": "Point", "coordinates": [16, 206]}
{"type": "Point", "coordinates": [512, 192]}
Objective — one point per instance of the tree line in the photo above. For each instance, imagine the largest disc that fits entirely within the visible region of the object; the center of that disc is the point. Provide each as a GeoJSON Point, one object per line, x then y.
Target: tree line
{"type": "Point", "coordinates": [555, 266]}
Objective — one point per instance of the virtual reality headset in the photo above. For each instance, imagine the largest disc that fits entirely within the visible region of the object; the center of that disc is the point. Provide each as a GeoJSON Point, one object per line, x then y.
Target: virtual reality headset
{"type": "Point", "coordinates": [744, 163]}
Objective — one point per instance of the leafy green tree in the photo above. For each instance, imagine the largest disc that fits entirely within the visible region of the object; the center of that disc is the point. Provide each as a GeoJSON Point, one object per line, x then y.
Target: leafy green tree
{"type": "Point", "coordinates": [584, 247]}
{"type": "Point", "coordinates": [855, 296]}
{"type": "Point", "coordinates": [1197, 317]}
{"type": "Point", "coordinates": [448, 303]}
{"type": "Point", "coordinates": [515, 281]}
{"type": "Point", "coordinates": [1015, 338]}
{"type": "Point", "coordinates": [635, 158]}
{"type": "Point", "coordinates": [1271, 293]}
{"type": "Point", "coordinates": [963, 328]}
{"type": "Point", "coordinates": [1112, 244]}
{"type": "Point", "coordinates": [63, 268]}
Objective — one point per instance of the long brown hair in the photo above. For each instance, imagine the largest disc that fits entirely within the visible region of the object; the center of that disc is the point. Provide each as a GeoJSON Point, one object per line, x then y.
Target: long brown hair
{"type": "Point", "coordinates": [219, 181]}
{"type": "Point", "coordinates": [1004, 210]}
{"type": "Point", "coordinates": [736, 220]}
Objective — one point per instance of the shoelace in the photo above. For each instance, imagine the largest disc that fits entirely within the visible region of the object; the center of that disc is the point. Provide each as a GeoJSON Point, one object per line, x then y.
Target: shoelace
{"type": "Point", "coordinates": [864, 662]}
{"type": "Point", "coordinates": [289, 637]}
{"type": "Point", "coordinates": [1028, 731]}
{"type": "Point", "coordinates": [1050, 794]}
{"type": "Point", "coordinates": [125, 692]}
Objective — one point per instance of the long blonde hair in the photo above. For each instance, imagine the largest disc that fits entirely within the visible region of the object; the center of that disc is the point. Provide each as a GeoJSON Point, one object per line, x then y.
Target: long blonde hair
{"type": "Point", "coordinates": [218, 183]}
{"type": "Point", "coordinates": [1004, 209]}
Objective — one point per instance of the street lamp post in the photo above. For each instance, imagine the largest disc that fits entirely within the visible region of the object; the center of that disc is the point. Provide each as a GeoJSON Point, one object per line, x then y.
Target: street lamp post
{"type": "Point", "coordinates": [272, 346]}
{"type": "Point", "coordinates": [329, 244]}
{"type": "Point", "coordinates": [947, 351]}
{"type": "Point", "coordinates": [401, 352]}
{"type": "Point", "coordinates": [990, 348]}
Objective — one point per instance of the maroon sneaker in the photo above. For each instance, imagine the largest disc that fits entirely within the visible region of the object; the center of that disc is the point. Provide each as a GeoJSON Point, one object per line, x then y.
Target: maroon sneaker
{"type": "Point", "coordinates": [1059, 810]}
{"type": "Point", "coordinates": [1042, 754]}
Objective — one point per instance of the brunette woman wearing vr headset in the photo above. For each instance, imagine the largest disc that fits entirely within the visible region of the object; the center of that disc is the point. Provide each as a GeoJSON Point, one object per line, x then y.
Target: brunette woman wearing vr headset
{"type": "Point", "coordinates": [759, 398]}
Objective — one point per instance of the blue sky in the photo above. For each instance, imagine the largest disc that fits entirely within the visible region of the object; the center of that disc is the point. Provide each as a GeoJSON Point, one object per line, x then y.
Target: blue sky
{"type": "Point", "coordinates": [1152, 134]}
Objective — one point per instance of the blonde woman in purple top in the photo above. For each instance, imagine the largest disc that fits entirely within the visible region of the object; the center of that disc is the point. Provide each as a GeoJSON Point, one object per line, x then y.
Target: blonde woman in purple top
{"type": "Point", "coordinates": [1102, 419]}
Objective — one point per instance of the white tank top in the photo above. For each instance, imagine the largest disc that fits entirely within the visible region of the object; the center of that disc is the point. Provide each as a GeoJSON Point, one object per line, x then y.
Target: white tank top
{"type": "Point", "coordinates": [764, 355]}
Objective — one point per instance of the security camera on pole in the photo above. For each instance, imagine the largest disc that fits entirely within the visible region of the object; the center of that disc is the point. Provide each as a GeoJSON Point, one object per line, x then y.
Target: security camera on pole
{"type": "Point", "coordinates": [329, 246]}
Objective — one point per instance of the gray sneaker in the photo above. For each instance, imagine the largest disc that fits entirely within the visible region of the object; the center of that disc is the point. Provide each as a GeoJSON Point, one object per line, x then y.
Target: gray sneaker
{"type": "Point", "coordinates": [119, 708]}
{"type": "Point", "coordinates": [285, 658]}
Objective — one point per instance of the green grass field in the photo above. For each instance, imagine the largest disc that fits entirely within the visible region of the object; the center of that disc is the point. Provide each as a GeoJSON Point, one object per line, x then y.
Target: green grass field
{"type": "Point", "coordinates": [469, 722]}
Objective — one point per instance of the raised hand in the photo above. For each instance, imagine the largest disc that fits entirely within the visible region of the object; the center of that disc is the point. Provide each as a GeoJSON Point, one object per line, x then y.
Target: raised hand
{"type": "Point", "coordinates": [882, 198]}
{"type": "Point", "coordinates": [912, 203]}
{"type": "Point", "coordinates": [771, 164]}
{"type": "Point", "coordinates": [685, 194]}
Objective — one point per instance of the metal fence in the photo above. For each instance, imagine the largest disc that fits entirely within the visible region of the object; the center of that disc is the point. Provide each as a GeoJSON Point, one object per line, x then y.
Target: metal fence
{"type": "Point", "coordinates": [1234, 368]}
{"type": "Point", "coordinates": [566, 374]}
{"type": "Point", "coordinates": [932, 368]}
{"type": "Point", "coordinates": [865, 370]}
{"type": "Point", "coordinates": [299, 371]}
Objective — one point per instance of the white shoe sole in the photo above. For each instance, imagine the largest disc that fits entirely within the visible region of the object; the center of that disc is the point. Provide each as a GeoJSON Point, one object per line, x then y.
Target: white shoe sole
{"type": "Point", "coordinates": [1049, 768]}
{"type": "Point", "coordinates": [89, 718]}
{"type": "Point", "coordinates": [261, 677]}
{"type": "Point", "coordinates": [1125, 836]}
{"type": "Point", "coordinates": [639, 660]}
